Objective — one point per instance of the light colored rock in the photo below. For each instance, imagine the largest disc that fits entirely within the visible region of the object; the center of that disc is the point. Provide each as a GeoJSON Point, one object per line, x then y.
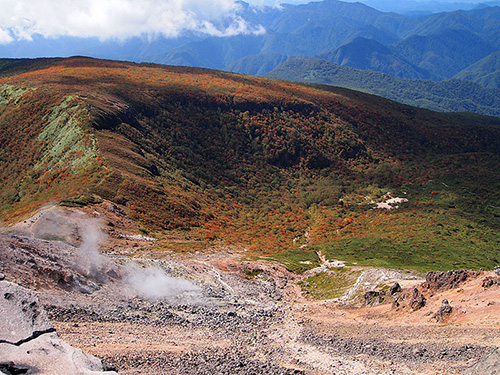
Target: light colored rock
{"type": "Point", "coordinates": [21, 315]}
{"type": "Point", "coordinates": [49, 354]}
{"type": "Point", "coordinates": [28, 339]}
{"type": "Point", "coordinates": [488, 366]}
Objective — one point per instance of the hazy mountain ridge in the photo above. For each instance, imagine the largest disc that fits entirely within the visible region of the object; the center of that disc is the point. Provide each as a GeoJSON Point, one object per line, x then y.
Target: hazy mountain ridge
{"type": "Point", "coordinates": [446, 96]}
{"type": "Point", "coordinates": [368, 54]}
{"type": "Point", "coordinates": [486, 71]}
{"type": "Point", "coordinates": [431, 43]}
{"type": "Point", "coordinates": [420, 8]}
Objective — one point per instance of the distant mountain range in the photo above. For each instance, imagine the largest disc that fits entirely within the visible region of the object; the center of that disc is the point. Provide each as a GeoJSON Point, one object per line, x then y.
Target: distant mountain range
{"type": "Point", "coordinates": [415, 57]}
{"type": "Point", "coordinates": [422, 7]}
{"type": "Point", "coordinates": [451, 95]}
{"type": "Point", "coordinates": [462, 44]}
{"type": "Point", "coordinates": [351, 34]}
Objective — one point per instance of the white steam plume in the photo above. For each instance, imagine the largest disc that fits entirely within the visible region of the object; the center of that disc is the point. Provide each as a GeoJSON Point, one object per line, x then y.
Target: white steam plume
{"type": "Point", "coordinates": [91, 261]}
{"type": "Point", "coordinates": [153, 283]}
{"type": "Point", "coordinates": [119, 19]}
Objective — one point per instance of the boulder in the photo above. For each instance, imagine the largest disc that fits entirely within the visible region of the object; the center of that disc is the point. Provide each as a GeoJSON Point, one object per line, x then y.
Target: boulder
{"type": "Point", "coordinates": [489, 281]}
{"type": "Point", "coordinates": [444, 311]}
{"type": "Point", "coordinates": [21, 316]}
{"type": "Point", "coordinates": [396, 288]}
{"type": "Point", "coordinates": [373, 298]}
{"type": "Point", "coordinates": [418, 300]}
{"type": "Point", "coordinates": [29, 343]}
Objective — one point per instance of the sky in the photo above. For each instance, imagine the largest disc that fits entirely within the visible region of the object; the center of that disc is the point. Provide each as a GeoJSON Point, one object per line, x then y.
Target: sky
{"type": "Point", "coordinates": [108, 19]}
{"type": "Point", "coordinates": [121, 19]}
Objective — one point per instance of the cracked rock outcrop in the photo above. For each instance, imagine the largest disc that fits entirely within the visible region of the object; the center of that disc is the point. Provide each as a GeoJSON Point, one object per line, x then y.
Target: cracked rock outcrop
{"type": "Point", "coordinates": [21, 315]}
{"type": "Point", "coordinates": [438, 280]}
{"type": "Point", "coordinates": [29, 343]}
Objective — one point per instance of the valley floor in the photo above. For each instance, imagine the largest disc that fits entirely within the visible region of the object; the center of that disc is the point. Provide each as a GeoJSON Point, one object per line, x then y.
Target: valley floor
{"type": "Point", "coordinates": [240, 321]}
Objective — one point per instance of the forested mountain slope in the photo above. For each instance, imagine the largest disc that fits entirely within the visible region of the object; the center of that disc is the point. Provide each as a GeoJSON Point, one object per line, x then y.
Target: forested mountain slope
{"type": "Point", "coordinates": [279, 168]}
{"type": "Point", "coordinates": [452, 95]}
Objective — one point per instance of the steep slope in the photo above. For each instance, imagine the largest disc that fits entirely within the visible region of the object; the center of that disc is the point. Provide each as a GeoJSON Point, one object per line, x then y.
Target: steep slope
{"type": "Point", "coordinates": [447, 96]}
{"type": "Point", "coordinates": [486, 71]}
{"type": "Point", "coordinates": [444, 54]}
{"type": "Point", "coordinates": [258, 65]}
{"type": "Point", "coordinates": [367, 54]}
{"type": "Point", "coordinates": [277, 167]}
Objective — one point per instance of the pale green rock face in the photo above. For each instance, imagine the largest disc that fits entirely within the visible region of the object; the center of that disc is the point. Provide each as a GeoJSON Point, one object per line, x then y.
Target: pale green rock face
{"type": "Point", "coordinates": [66, 143]}
{"type": "Point", "coordinates": [9, 93]}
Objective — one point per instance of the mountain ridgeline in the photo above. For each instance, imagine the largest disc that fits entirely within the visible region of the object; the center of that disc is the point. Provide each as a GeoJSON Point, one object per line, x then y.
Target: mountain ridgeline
{"type": "Point", "coordinates": [452, 95]}
{"type": "Point", "coordinates": [457, 45]}
{"type": "Point", "coordinates": [433, 46]}
{"type": "Point", "coordinates": [279, 168]}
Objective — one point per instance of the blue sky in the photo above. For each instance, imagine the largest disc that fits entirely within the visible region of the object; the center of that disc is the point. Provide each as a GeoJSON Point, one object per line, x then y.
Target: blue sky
{"type": "Point", "coordinates": [395, 2]}
{"type": "Point", "coordinates": [277, 2]}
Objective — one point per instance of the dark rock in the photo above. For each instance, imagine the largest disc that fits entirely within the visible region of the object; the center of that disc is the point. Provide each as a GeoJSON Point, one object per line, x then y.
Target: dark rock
{"type": "Point", "coordinates": [418, 300]}
{"type": "Point", "coordinates": [112, 273]}
{"type": "Point", "coordinates": [10, 368]}
{"type": "Point", "coordinates": [418, 303]}
{"type": "Point", "coordinates": [115, 209]}
{"type": "Point", "coordinates": [415, 294]}
{"type": "Point", "coordinates": [108, 367]}
{"type": "Point", "coordinates": [419, 352]}
{"type": "Point", "coordinates": [444, 311]}
{"type": "Point", "coordinates": [447, 280]}
{"type": "Point", "coordinates": [83, 285]}
{"type": "Point", "coordinates": [396, 288]}
{"type": "Point", "coordinates": [497, 270]}
{"type": "Point", "coordinates": [2, 276]}
{"type": "Point", "coordinates": [490, 281]}
{"type": "Point", "coordinates": [373, 298]}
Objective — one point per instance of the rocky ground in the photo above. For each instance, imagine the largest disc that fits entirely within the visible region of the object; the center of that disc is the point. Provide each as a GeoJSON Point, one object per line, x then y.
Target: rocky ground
{"type": "Point", "coordinates": [217, 313]}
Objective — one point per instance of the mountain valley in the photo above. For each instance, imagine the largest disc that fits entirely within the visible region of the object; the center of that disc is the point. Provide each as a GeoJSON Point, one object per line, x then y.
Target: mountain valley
{"type": "Point", "coordinates": [183, 220]}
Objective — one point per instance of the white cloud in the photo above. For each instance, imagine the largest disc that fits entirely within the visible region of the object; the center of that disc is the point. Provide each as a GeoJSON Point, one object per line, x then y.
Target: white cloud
{"type": "Point", "coordinates": [5, 37]}
{"type": "Point", "coordinates": [119, 19]}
